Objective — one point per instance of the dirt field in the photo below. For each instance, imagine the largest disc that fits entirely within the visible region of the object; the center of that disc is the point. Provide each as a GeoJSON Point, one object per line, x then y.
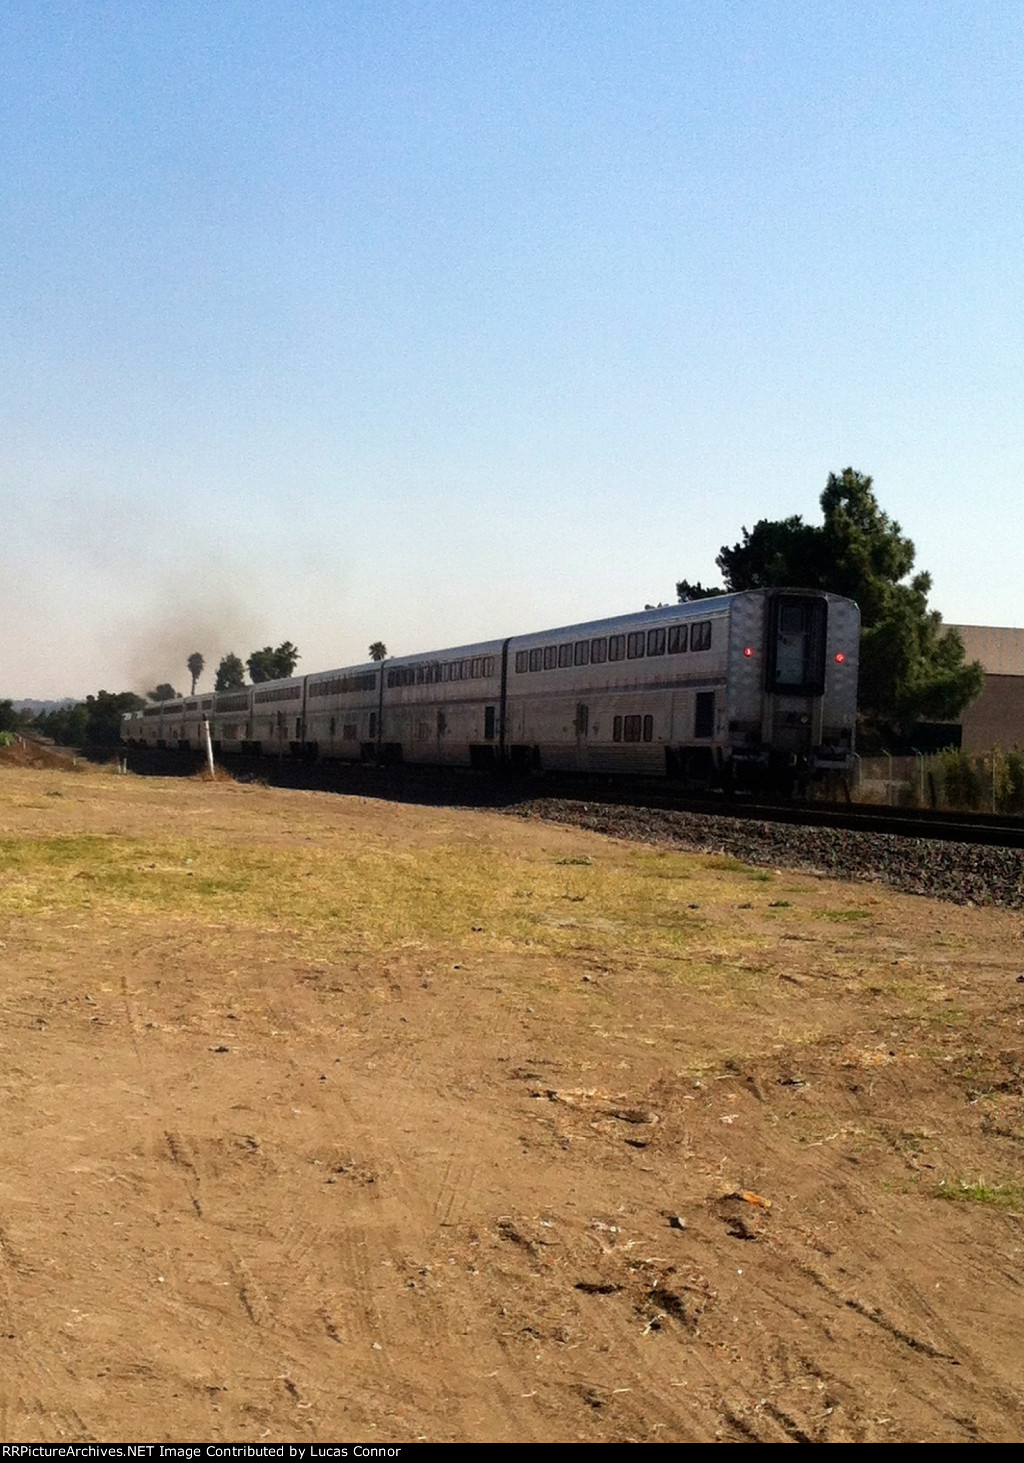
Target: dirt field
{"type": "Point", "coordinates": [332, 1120]}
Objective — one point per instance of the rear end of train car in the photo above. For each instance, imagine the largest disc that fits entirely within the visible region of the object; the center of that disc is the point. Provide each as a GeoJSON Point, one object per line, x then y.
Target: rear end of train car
{"type": "Point", "coordinates": [791, 684]}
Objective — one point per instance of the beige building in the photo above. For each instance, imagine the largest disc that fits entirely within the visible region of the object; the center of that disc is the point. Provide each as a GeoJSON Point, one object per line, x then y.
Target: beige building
{"type": "Point", "coordinates": [996, 719]}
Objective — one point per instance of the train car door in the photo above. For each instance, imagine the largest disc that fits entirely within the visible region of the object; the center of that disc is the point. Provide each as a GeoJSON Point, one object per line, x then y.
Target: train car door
{"type": "Point", "coordinates": [796, 671]}
{"type": "Point", "coordinates": [582, 727]}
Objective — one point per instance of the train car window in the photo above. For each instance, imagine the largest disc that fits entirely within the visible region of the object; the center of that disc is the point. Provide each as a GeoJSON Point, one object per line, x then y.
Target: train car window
{"type": "Point", "coordinates": [616, 647]}
{"type": "Point", "coordinates": [582, 719]}
{"type": "Point", "coordinates": [550, 657]}
{"type": "Point", "coordinates": [467, 670]}
{"type": "Point", "coordinates": [582, 654]}
{"type": "Point", "coordinates": [704, 714]}
{"type": "Point", "coordinates": [488, 666]}
{"type": "Point", "coordinates": [617, 729]}
{"type": "Point", "coordinates": [489, 722]}
{"type": "Point", "coordinates": [677, 639]}
{"type": "Point", "coordinates": [478, 668]}
{"type": "Point", "coordinates": [635, 644]}
{"type": "Point", "coordinates": [700, 635]}
{"type": "Point", "coordinates": [564, 656]}
{"type": "Point", "coordinates": [598, 650]}
{"type": "Point", "coordinates": [522, 661]}
{"type": "Point", "coordinates": [656, 642]}
{"type": "Point", "coordinates": [631, 729]}
{"type": "Point", "coordinates": [536, 658]}
{"type": "Point", "coordinates": [648, 728]}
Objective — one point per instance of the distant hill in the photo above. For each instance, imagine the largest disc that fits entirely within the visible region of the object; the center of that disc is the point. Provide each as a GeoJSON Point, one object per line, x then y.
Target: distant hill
{"type": "Point", "coordinates": [37, 706]}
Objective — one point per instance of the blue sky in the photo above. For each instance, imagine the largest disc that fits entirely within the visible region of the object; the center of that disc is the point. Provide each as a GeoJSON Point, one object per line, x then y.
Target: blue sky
{"type": "Point", "coordinates": [430, 322]}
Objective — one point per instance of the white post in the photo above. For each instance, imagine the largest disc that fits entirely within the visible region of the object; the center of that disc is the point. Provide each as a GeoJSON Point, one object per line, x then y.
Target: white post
{"type": "Point", "coordinates": [209, 746]}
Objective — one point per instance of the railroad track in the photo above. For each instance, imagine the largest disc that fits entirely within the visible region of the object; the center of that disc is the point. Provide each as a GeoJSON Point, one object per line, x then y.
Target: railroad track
{"type": "Point", "coordinates": [467, 788]}
{"type": "Point", "coordinates": [995, 830]}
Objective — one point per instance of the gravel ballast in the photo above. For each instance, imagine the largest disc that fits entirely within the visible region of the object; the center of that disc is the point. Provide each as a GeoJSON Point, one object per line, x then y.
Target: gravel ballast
{"type": "Point", "coordinates": [962, 873]}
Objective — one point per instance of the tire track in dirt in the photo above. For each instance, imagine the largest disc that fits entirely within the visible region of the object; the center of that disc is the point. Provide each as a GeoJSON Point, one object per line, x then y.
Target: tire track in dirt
{"type": "Point", "coordinates": [455, 1190]}
{"type": "Point", "coordinates": [177, 1147]}
{"type": "Point", "coordinates": [354, 1319]}
{"type": "Point", "coordinates": [31, 1381]}
{"type": "Point", "coordinates": [10, 1400]}
{"type": "Point", "coordinates": [131, 1018]}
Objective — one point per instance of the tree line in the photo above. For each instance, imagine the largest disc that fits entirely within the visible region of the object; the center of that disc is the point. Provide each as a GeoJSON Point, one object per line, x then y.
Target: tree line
{"type": "Point", "coordinates": [96, 721]}
{"type": "Point", "coordinates": [267, 664]}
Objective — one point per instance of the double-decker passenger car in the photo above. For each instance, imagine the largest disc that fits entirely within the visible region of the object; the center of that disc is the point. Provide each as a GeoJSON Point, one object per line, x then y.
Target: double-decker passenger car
{"type": "Point", "coordinates": [726, 689]}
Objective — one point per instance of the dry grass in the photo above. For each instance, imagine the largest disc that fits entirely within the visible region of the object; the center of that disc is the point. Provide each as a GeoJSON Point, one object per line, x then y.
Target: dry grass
{"type": "Point", "coordinates": [324, 890]}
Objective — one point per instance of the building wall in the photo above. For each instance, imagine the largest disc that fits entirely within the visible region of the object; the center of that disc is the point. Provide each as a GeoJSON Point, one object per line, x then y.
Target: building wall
{"type": "Point", "coordinates": [996, 719]}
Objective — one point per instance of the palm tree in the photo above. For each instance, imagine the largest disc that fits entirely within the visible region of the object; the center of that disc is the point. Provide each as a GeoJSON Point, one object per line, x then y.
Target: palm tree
{"type": "Point", "coordinates": [378, 650]}
{"type": "Point", "coordinates": [195, 665]}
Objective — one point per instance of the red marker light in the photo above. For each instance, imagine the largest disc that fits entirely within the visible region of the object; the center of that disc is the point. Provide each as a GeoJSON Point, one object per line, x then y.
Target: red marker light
{"type": "Point", "coordinates": [748, 651]}
{"type": "Point", "coordinates": [840, 658]}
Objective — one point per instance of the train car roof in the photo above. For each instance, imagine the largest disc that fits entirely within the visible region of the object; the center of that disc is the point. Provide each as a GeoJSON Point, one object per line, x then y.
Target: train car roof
{"type": "Point", "coordinates": [452, 652]}
{"type": "Point", "coordinates": [362, 669]}
{"type": "Point", "coordinates": [661, 615]}
{"type": "Point", "coordinates": [265, 685]}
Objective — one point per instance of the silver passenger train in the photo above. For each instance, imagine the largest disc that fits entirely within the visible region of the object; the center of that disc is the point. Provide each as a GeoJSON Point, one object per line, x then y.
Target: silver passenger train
{"type": "Point", "coordinates": [719, 691]}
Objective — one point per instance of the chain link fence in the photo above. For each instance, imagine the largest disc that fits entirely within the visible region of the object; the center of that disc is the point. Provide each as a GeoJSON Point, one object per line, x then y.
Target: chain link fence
{"type": "Point", "coordinates": [953, 779]}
